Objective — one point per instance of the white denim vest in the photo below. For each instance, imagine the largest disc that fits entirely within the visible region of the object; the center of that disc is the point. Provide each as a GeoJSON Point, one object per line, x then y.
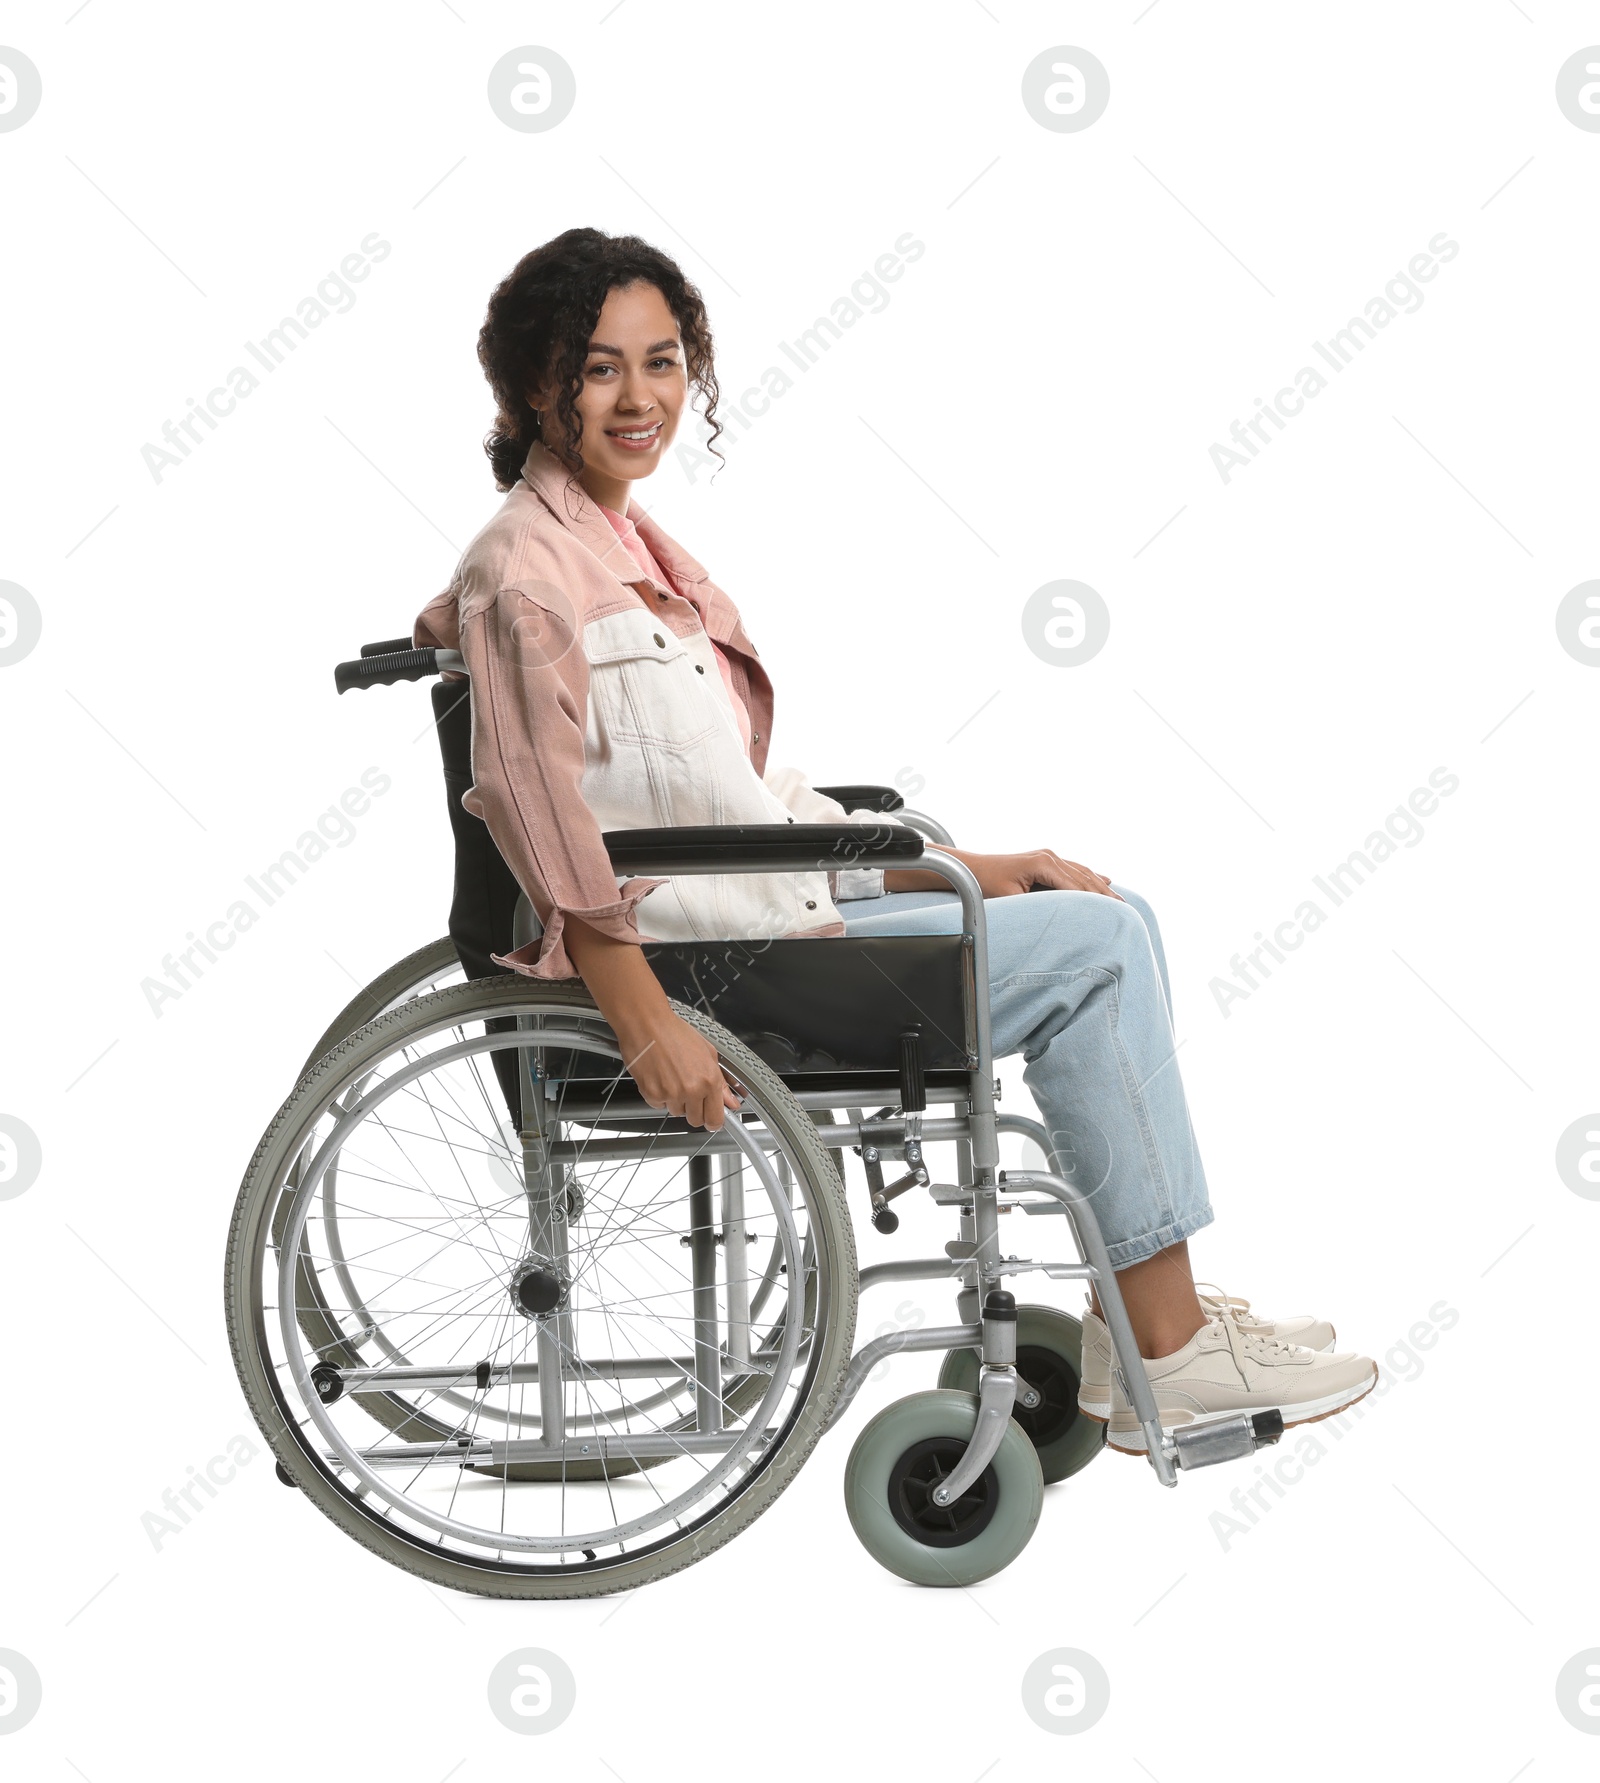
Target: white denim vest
{"type": "Point", "coordinates": [663, 748]}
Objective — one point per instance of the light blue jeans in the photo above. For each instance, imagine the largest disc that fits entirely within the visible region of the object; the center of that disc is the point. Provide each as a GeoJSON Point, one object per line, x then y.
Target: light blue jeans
{"type": "Point", "coordinates": [1078, 985]}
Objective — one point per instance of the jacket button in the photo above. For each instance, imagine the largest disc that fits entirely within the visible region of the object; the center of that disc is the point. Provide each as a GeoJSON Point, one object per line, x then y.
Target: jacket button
{"type": "Point", "coordinates": [661, 642]}
{"type": "Point", "coordinates": [811, 903]}
{"type": "Point", "coordinates": [698, 669]}
{"type": "Point", "coordinates": [755, 736]}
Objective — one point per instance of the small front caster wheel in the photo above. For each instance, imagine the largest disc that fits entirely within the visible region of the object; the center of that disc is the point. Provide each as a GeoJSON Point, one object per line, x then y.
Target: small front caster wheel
{"type": "Point", "coordinates": [1050, 1360]}
{"type": "Point", "coordinates": [284, 1474]}
{"type": "Point", "coordinates": [898, 1460]}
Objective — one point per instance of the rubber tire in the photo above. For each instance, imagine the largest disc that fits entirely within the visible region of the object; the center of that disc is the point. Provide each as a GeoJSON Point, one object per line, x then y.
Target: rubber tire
{"type": "Point", "coordinates": [472, 1001]}
{"type": "Point", "coordinates": [373, 999]}
{"type": "Point", "coordinates": [1043, 1328]}
{"type": "Point", "coordinates": [880, 1445]}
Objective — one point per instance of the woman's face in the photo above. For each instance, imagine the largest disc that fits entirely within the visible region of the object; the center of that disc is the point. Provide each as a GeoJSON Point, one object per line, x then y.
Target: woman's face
{"type": "Point", "coordinates": [634, 388]}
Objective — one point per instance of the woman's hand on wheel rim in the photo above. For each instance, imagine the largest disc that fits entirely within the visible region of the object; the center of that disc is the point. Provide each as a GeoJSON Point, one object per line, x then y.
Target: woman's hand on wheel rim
{"type": "Point", "coordinates": [676, 1069]}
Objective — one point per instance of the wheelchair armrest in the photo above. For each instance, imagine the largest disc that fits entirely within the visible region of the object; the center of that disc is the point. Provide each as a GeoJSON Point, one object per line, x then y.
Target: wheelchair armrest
{"type": "Point", "coordinates": [760, 847]}
{"type": "Point", "coordinates": [863, 798]}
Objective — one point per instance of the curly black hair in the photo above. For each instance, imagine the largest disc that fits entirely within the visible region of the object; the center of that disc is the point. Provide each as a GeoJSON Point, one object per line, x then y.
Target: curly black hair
{"type": "Point", "coordinates": [537, 332]}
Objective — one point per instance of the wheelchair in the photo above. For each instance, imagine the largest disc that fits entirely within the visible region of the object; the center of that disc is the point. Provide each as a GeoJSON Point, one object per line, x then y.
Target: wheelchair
{"type": "Point", "coordinates": [521, 1334]}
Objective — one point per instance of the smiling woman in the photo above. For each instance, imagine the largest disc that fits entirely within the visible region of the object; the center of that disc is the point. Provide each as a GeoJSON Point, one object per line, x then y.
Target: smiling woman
{"type": "Point", "coordinates": [613, 684]}
{"type": "Point", "coordinates": [614, 687]}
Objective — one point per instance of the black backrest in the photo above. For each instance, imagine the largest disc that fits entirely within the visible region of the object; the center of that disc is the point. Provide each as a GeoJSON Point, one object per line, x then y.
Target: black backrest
{"type": "Point", "coordinates": [484, 900]}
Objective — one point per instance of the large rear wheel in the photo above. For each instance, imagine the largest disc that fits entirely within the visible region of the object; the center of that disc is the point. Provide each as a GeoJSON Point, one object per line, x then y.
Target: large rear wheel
{"type": "Point", "coordinates": [550, 1363]}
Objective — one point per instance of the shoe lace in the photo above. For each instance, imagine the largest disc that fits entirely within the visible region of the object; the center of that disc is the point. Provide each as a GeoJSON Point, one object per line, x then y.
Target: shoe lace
{"type": "Point", "coordinates": [1245, 1345]}
{"type": "Point", "coordinates": [1240, 1307]}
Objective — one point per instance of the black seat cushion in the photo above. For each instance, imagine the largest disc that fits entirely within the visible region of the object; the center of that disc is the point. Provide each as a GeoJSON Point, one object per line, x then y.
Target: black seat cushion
{"type": "Point", "coordinates": [833, 1004]}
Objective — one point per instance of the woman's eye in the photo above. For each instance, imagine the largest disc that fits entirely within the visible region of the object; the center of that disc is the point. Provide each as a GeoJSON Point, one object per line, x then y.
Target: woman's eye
{"type": "Point", "coordinates": [663, 364]}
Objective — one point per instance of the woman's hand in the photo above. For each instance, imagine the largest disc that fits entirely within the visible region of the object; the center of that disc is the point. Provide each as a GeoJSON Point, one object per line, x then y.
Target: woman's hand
{"type": "Point", "coordinates": [1004, 875]}
{"type": "Point", "coordinates": [672, 1064]}
{"type": "Point", "coordinates": [676, 1068]}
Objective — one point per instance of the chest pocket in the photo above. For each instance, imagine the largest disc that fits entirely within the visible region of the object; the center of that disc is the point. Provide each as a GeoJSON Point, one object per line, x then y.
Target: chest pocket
{"type": "Point", "coordinates": [645, 689]}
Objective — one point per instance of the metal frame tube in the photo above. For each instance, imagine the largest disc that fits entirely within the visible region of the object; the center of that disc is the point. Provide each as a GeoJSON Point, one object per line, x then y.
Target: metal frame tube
{"type": "Point", "coordinates": [627, 1145]}
{"type": "Point", "coordinates": [665, 1445]}
{"type": "Point", "coordinates": [880, 1087]}
{"type": "Point", "coordinates": [913, 1269]}
{"type": "Point", "coordinates": [547, 1217]}
{"type": "Point", "coordinates": [1129, 1361]}
{"type": "Point", "coordinates": [919, 820]}
{"type": "Point", "coordinates": [735, 1261]}
{"type": "Point", "coordinates": [703, 1275]}
{"type": "Point", "coordinates": [413, 1376]}
{"type": "Point", "coordinates": [867, 1358]}
{"type": "Point", "coordinates": [997, 1394]}
{"type": "Point", "coordinates": [985, 1234]}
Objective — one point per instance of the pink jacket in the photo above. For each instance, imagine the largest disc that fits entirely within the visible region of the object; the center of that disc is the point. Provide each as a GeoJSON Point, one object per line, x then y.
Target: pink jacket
{"type": "Point", "coordinates": [593, 711]}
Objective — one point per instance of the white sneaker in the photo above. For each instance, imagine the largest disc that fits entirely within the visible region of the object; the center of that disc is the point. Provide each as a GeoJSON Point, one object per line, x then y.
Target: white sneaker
{"type": "Point", "coordinates": [1224, 1370]}
{"type": "Point", "coordinates": [1094, 1383]}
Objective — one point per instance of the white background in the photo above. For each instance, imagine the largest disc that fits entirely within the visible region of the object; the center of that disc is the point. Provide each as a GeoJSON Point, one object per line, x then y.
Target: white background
{"type": "Point", "coordinates": [1373, 598]}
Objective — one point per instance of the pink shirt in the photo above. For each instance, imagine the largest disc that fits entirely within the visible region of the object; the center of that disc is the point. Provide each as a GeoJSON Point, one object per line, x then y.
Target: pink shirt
{"type": "Point", "coordinates": [642, 555]}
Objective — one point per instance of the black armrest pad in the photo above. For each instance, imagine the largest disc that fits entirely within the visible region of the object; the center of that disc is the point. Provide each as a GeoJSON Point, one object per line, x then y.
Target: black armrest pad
{"type": "Point", "coordinates": [863, 798]}
{"type": "Point", "coordinates": [761, 847]}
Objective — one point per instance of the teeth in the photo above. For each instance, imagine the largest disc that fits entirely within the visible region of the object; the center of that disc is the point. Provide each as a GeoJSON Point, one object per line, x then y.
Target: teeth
{"type": "Point", "coordinates": [643, 433]}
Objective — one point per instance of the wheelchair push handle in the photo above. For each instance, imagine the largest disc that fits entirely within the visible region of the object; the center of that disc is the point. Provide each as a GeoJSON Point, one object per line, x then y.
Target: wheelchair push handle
{"type": "Point", "coordinates": [381, 664]}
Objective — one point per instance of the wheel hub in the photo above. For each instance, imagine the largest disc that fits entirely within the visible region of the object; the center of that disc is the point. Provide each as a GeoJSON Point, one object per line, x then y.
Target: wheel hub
{"type": "Point", "coordinates": [1057, 1386]}
{"type": "Point", "coordinates": [537, 1290]}
{"type": "Point", "coordinates": [911, 1487]}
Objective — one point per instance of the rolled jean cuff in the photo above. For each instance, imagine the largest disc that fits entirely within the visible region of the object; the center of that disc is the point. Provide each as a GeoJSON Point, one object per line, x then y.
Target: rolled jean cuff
{"type": "Point", "coordinates": [1128, 1251]}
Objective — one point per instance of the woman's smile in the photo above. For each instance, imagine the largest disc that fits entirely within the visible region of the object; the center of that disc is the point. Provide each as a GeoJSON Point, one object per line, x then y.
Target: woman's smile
{"type": "Point", "coordinates": [637, 439]}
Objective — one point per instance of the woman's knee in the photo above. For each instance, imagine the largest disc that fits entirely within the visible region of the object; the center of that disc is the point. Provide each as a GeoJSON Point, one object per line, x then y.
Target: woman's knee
{"type": "Point", "coordinates": [1140, 904]}
{"type": "Point", "coordinates": [1112, 929]}
{"type": "Point", "coordinates": [1136, 899]}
